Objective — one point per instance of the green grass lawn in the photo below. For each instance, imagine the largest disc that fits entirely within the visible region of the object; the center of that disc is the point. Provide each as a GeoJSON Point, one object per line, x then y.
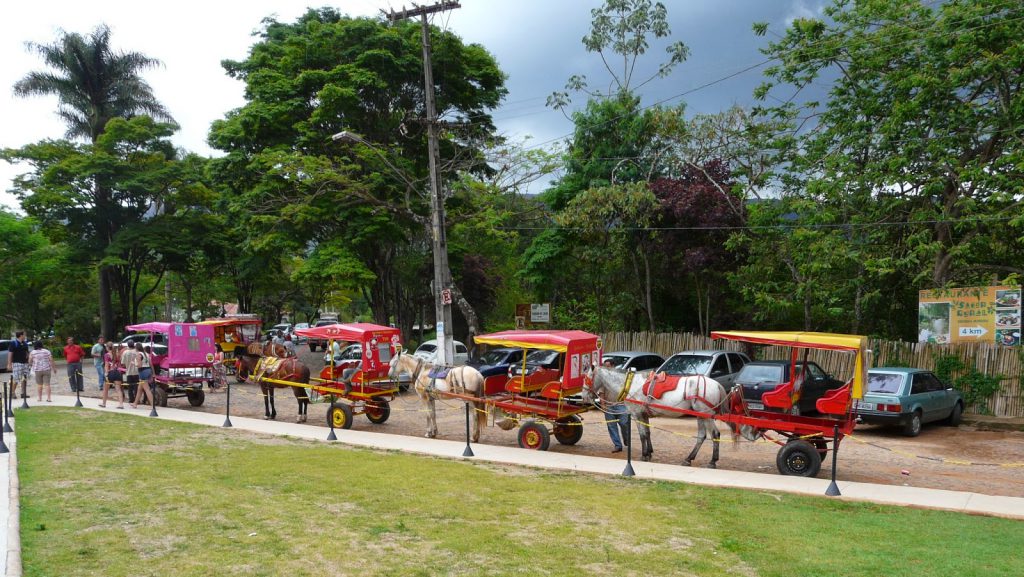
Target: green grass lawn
{"type": "Point", "coordinates": [108, 494]}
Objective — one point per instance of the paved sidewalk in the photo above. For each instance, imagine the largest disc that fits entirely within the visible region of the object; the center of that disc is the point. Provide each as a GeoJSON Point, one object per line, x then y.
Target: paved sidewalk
{"type": "Point", "coordinates": [974, 503]}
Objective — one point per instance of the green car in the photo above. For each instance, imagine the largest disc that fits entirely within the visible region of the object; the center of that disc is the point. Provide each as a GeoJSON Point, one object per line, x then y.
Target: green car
{"type": "Point", "coordinates": [908, 398]}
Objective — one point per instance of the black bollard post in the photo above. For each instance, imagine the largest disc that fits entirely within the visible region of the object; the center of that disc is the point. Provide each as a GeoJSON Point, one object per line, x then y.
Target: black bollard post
{"type": "Point", "coordinates": [627, 437]}
{"type": "Point", "coordinates": [469, 450]}
{"type": "Point", "coordinates": [152, 399]}
{"type": "Point", "coordinates": [330, 420]}
{"type": "Point", "coordinates": [227, 412]}
{"type": "Point", "coordinates": [833, 488]}
{"type": "Point", "coordinates": [6, 403]}
{"type": "Point", "coordinates": [6, 411]}
{"type": "Point", "coordinates": [3, 445]}
{"type": "Point", "coordinates": [24, 392]}
{"type": "Point", "coordinates": [10, 400]}
{"type": "Point", "coordinates": [78, 397]}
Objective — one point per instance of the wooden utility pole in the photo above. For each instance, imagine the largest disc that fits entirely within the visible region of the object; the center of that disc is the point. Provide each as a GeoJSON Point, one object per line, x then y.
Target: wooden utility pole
{"type": "Point", "coordinates": [442, 272]}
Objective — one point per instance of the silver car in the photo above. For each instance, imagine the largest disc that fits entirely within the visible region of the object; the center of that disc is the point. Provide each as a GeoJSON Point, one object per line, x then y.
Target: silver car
{"type": "Point", "coordinates": [723, 366]}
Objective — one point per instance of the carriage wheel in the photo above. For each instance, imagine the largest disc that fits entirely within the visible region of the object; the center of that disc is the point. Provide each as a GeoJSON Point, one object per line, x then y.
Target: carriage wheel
{"type": "Point", "coordinates": [821, 445]}
{"type": "Point", "coordinates": [340, 415]}
{"type": "Point", "coordinates": [195, 397]}
{"type": "Point", "coordinates": [159, 396]}
{"type": "Point", "coordinates": [377, 411]}
{"type": "Point", "coordinates": [799, 459]}
{"type": "Point", "coordinates": [568, 431]}
{"type": "Point", "coordinates": [533, 435]}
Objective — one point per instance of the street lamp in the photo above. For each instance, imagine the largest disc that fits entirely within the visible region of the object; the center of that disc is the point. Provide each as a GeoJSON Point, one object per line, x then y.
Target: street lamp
{"type": "Point", "coordinates": [439, 243]}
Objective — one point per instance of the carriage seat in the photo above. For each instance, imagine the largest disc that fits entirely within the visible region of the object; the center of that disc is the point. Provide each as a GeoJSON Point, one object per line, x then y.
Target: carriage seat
{"type": "Point", "coordinates": [555, 391]}
{"type": "Point", "coordinates": [523, 386]}
{"type": "Point", "coordinates": [780, 398]}
{"type": "Point", "coordinates": [836, 402]}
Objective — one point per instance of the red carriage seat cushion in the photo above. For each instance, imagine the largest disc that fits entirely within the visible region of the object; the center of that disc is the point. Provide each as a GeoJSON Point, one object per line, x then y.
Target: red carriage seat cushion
{"type": "Point", "coordinates": [836, 402]}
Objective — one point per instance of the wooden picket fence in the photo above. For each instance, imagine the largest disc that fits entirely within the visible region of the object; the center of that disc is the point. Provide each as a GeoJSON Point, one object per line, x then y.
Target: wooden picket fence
{"type": "Point", "coordinates": [989, 359]}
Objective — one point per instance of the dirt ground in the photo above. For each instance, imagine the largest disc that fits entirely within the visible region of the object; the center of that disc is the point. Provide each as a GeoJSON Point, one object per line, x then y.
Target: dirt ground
{"type": "Point", "coordinates": [959, 459]}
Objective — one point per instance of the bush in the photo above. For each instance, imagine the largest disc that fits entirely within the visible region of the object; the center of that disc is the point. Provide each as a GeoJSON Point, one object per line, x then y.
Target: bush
{"type": "Point", "coordinates": [976, 387]}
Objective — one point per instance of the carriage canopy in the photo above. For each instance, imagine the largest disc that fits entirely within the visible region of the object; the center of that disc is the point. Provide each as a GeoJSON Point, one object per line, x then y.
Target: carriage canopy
{"type": "Point", "coordinates": [379, 343]}
{"type": "Point", "coordinates": [232, 333]}
{"type": "Point", "coordinates": [809, 340]}
{"type": "Point", "coordinates": [188, 344]}
{"type": "Point", "coordinates": [582, 349]}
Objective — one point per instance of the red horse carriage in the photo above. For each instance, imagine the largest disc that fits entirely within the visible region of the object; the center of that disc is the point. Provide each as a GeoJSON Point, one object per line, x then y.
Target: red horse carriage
{"type": "Point", "coordinates": [544, 388]}
{"type": "Point", "coordinates": [188, 362]}
{"type": "Point", "coordinates": [362, 383]}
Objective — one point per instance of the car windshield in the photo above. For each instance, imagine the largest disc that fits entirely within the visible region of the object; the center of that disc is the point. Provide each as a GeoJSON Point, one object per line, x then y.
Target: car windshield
{"type": "Point", "coordinates": [426, 348]}
{"type": "Point", "coordinates": [884, 383]}
{"type": "Point", "coordinates": [616, 360]}
{"type": "Point", "coordinates": [687, 365]}
{"type": "Point", "coordinates": [541, 357]}
{"type": "Point", "coordinates": [761, 373]}
{"type": "Point", "coordinates": [494, 357]}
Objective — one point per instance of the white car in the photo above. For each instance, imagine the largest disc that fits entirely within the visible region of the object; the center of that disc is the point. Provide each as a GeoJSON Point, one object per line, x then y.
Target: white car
{"type": "Point", "coordinates": [428, 352]}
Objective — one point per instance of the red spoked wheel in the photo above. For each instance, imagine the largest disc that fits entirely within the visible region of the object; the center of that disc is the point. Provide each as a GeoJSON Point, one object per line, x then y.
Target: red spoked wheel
{"type": "Point", "coordinates": [568, 431]}
{"type": "Point", "coordinates": [535, 436]}
{"type": "Point", "coordinates": [377, 411]}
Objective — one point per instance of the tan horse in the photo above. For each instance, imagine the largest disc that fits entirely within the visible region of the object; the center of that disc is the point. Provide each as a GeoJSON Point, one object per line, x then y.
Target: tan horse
{"type": "Point", "coordinates": [271, 361]}
{"type": "Point", "coordinates": [459, 380]}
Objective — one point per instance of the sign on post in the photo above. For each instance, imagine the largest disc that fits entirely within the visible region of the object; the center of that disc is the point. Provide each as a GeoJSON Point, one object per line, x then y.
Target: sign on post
{"type": "Point", "coordinates": [540, 313]}
{"type": "Point", "coordinates": [969, 315]}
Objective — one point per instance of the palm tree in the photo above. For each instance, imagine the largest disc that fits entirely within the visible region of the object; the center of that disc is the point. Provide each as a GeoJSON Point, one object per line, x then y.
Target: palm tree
{"type": "Point", "coordinates": [94, 84]}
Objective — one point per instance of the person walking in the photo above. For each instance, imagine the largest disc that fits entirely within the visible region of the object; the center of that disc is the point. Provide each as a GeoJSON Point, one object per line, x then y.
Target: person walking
{"type": "Point", "coordinates": [130, 364]}
{"type": "Point", "coordinates": [97, 352]}
{"type": "Point", "coordinates": [17, 362]}
{"type": "Point", "coordinates": [115, 377]}
{"type": "Point", "coordinates": [220, 372]}
{"type": "Point", "coordinates": [43, 368]}
{"type": "Point", "coordinates": [73, 354]}
{"type": "Point", "coordinates": [145, 370]}
{"type": "Point", "coordinates": [616, 417]}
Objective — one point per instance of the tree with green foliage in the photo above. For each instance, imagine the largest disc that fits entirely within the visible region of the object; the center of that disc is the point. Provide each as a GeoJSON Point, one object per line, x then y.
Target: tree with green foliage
{"type": "Point", "coordinates": [94, 85]}
{"type": "Point", "coordinates": [31, 265]}
{"type": "Point", "coordinates": [293, 189]}
{"type": "Point", "coordinates": [922, 126]}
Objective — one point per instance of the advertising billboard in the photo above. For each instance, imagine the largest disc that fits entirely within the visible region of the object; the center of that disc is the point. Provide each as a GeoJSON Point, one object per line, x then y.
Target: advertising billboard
{"type": "Point", "coordinates": [970, 315]}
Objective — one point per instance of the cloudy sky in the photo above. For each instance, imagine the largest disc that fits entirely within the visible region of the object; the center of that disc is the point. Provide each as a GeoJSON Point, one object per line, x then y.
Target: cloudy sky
{"type": "Point", "coordinates": [536, 42]}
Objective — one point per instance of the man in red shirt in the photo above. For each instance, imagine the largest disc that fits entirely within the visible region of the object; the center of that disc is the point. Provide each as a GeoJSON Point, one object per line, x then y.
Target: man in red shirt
{"type": "Point", "coordinates": [73, 354]}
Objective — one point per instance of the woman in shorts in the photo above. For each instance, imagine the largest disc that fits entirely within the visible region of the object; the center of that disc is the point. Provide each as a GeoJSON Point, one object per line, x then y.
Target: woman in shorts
{"type": "Point", "coordinates": [114, 373]}
{"type": "Point", "coordinates": [41, 362]}
{"type": "Point", "coordinates": [145, 369]}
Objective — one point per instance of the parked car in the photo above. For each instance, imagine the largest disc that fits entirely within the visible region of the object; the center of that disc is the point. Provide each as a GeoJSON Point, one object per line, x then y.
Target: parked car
{"type": "Point", "coordinates": [351, 355]}
{"type": "Point", "coordinates": [282, 330]}
{"type": "Point", "coordinates": [625, 360]}
{"type": "Point", "coordinates": [5, 344]}
{"type": "Point", "coordinates": [321, 343]}
{"type": "Point", "coordinates": [723, 366]}
{"type": "Point", "coordinates": [428, 352]}
{"type": "Point", "coordinates": [299, 340]}
{"type": "Point", "coordinates": [908, 398]}
{"type": "Point", "coordinates": [156, 340]}
{"type": "Point", "coordinates": [497, 361]}
{"type": "Point", "coordinates": [760, 377]}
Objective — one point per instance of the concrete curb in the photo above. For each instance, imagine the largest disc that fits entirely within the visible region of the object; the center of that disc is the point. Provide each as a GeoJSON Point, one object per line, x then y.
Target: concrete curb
{"type": "Point", "coordinates": [13, 560]}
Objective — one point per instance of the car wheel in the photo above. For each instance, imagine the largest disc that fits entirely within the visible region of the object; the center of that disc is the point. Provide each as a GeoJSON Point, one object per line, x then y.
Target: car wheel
{"type": "Point", "coordinates": [956, 416]}
{"type": "Point", "coordinates": [312, 348]}
{"type": "Point", "coordinates": [913, 426]}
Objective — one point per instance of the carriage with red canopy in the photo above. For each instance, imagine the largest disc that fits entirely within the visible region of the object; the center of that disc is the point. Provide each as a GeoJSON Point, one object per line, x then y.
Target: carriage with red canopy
{"type": "Point", "coordinates": [188, 362]}
{"type": "Point", "coordinates": [805, 439]}
{"type": "Point", "coordinates": [543, 388]}
{"type": "Point", "coordinates": [363, 383]}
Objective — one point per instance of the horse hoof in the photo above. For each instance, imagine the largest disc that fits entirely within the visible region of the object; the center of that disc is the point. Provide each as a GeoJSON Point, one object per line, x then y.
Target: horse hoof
{"type": "Point", "coordinates": [687, 463]}
{"type": "Point", "coordinates": [712, 466]}
{"type": "Point", "coordinates": [646, 458]}
{"type": "Point", "coordinates": [266, 417]}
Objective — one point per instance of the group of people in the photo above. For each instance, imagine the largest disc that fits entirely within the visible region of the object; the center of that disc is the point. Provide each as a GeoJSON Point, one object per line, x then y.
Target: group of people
{"type": "Point", "coordinates": [131, 367]}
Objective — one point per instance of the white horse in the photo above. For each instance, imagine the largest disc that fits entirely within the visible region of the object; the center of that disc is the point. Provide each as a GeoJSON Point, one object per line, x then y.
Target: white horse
{"type": "Point", "coordinates": [695, 392]}
{"type": "Point", "coordinates": [462, 380]}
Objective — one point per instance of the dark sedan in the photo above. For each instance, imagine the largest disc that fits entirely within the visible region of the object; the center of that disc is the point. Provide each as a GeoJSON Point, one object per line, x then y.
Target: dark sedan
{"type": "Point", "coordinates": [497, 361]}
{"type": "Point", "coordinates": [760, 377]}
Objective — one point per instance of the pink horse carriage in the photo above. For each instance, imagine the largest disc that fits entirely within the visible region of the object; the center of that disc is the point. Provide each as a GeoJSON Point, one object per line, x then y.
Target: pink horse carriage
{"type": "Point", "coordinates": [187, 364]}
